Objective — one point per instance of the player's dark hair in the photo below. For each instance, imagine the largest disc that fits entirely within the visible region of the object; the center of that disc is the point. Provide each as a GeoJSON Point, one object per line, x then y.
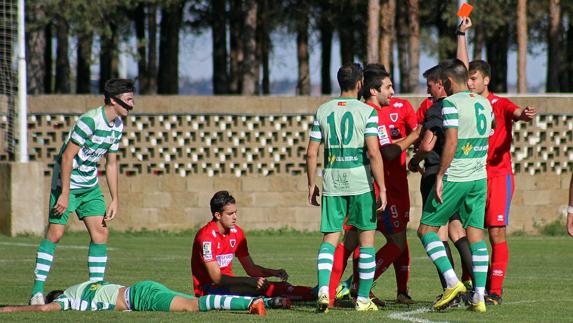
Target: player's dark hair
{"type": "Point", "coordinates": [374, 67]}
{"type": "Point", "coordinates": [51, 296]}
{"type": "Point", "coordinates": [455, 69]}
{"type": "Point", "coordinates": [433, 74]}
{"type": "Point", "coordinates": [348, 75]}
{"type": "Point", "coordinates": [480, 66]}
{"type": "Point", "coordinates": [373, 78]}
{"type": "Point", "coordinates": [115, 87]}
{"type": "Point", "coordinates": [220, 200]}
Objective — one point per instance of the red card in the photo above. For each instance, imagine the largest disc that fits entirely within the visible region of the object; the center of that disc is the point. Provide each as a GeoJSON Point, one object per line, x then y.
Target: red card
{"type": "Point", "coordinates": [465, 10]}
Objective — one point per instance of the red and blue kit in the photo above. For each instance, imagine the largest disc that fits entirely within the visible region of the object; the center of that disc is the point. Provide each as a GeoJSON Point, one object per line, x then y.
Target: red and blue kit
{"type": "Point", "coordinates": [210, 245]}
{"type": "Point", "coordinates": [500, 184]}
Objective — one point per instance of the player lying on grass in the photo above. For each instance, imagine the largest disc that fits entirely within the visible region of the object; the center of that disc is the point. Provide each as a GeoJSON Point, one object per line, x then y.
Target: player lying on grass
{"type": "Point", "coordinates": [141, 296]}
{"type": "Point", "coordinates": [214, 248]}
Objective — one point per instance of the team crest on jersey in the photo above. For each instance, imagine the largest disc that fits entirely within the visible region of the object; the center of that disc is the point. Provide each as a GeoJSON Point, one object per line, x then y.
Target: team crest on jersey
{"type": "Point", "coordinates": [398, 105]}
{"type": "Point", "coordinates": [342, 103]}
{"type": "Point", "coordinates": [394, 117]}
{"type": "Point", "coordinates": [232, 242]}
{"type": "Point", "coordinates": [207, 253]}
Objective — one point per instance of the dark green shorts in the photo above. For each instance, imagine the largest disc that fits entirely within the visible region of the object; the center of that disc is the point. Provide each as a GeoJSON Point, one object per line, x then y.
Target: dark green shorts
{"type": "Point", "coordinates": [465, 198]}
{"type": "Point", "coordinates": [152, 296]}
{"type": "Point", "coordinates": [85, 202]}
{"type": "Point", "coordinates": [360, 209]}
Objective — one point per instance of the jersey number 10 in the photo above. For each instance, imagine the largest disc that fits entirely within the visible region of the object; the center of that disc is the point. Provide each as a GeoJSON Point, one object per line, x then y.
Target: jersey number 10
{"type": "Point", "coordinates": [346, 129]}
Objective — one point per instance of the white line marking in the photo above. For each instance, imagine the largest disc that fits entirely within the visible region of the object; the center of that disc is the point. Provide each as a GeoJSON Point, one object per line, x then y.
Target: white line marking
{"type": "Point", "coordinates": [408, 316]}
{"type": "Point", "coordinates": [20, 244]}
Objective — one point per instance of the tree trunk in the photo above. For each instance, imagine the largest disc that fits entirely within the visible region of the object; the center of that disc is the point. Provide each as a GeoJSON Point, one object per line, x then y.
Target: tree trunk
{"type": "Point", "coordinates": [403, 42]}
{"type": "Point", "coordinates": [303, 83]}
{"type": "Point", "coordinates": [413, 45]}
{"type": "Point", "coordinates": [497, 51]}
{"type": "Point", "coordinates": [326, 30]}
{"type": "Point", "coordinates": [446, 34]}
{"type": "Point", "coordinates": [236, 31]}
{"type": "Point", "coordinates": [48, 61]}
{"type": "Point", "coordinates": [142, 71]}
{"type": "Point", "coordinates": [265, 45]}
{"type": "Point", "coordinates": [83, 72]}
{"type": "Point", "coordinates": [168, 76]}
{"type": "Point", "coordinates": [387, 21]}
{"type": "Point", "coordinates": [63, 84]}
{"type": "Point", "coordinates": [219, 37]}
{"type": "Point", "coordinates": [553, 46]}
{"type": "Point", "coordinates": [35, 46]}
{"type": "Point", "coordinates": [249, 40]}
{"type": "Point", "coordinates": [108, 59]}
{"type": "Point", "coordinates": [152, 47]}
{"type": "Point", "coordinates": [567, 75]}
{"type": "Point", "coordinates": [345, 34]}
{"type": "Point", "coordinates": [373, 42]}
{"type": "Point", "coordinates": [521, 46]}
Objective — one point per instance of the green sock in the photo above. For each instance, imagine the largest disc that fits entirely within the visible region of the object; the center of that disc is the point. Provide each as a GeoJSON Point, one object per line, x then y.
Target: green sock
{"type": "Point", "coordinates": [325, 260]}
{"type": "Point", "coordinates": [97, 260]}
{"type": "Point", "coordinates": [480, 261]}
{"type": "Point", "coordinates": [44, 259]}
{"type": "Point", "coordinates": [437, 252]}
{"type": "Point", "coordinates": [223, 302]}
{"type": "Point", "coordinates": [366, 269]}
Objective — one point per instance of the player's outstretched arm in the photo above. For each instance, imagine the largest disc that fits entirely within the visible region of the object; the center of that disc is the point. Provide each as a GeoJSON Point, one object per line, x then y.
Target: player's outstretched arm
{"type": "Point", "coordinates": [524, 114]}
{"type": "Point", "coordinates": [66, 165]}
{"type": "Point", "coordinates": [462, 53]}
{"type": "Point", "coordinates": [311, 162]}
{"type": "Point", "coordinates": [377, 168]}
{"type": "Point", "coordinates": [51, 307]}
{"type": "Point", "coordinates": [111, 175]}
{"type": "Point", "coordinates": [255, 270]}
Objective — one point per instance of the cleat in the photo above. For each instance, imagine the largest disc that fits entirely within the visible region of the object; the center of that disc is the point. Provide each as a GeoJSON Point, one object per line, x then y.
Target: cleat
{"type": "Point", "coordinates": [376, 300]}
{"type": "Point", "coordinates": [469, 285]}
{"type": "Point", "coordinates": [493, 299]}
{"type": "Point", "coordinates": [368, 306]}
{"type": "Point", "coordinates": [449, 295]}
{"type": "Point", "coordinates": [479, 307]}
{"type": "Point", "coordinates": [37, 299]}
{"type": "Point", "coordinates": [342, 291]}
{"type": "Point", "coordinates": [404, 298]}
{"type": "Point", "coordinates": [280, 302]}
{"type": "Point", "coordinates": [258, 307]}
{"type": "Point", "coordinates": [322, 303]}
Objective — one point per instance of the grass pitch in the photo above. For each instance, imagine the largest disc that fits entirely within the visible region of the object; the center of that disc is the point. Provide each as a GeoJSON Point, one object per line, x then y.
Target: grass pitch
{"type": "Point", "coordinates": [539, 286]}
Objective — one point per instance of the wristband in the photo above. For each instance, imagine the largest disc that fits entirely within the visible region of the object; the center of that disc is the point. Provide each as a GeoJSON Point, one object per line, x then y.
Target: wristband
{"type": "Point", "coordinates": [570, 209]}
{"type": "Point", "coordinates": [460, 33]}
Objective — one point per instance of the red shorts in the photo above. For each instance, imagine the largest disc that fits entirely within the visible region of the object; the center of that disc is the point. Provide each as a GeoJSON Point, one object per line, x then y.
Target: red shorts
{"type": "Point", "coordinates": [499, 194]}
{"type": "Point", "coordinates": [395, 217]}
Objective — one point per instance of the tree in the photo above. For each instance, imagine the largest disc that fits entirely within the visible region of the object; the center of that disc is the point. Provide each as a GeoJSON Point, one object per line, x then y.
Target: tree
{"type": "Point", "coordinates": [249, 40]}
{"type": "Point", "coordinates": [36, 21]}
{"type": "Point", "coordinates": [63, 83]}
{"type": "Point", "coordinates": [402, 40]}
{"type": "Point", "coordinates": [521, 46]}
{"type": "Point", "coordinates": [84, 53]}
{"type": "Point", "coordinates": [413, 44]}
{"type": "Point", "coordinates": [373, 51]}
{"type": "Point", "coordinates": [553, 46]}
{"type": "Point", "coordinates": [219, 41]}
{"type": "Point", "coordinates": [302, 25]}
{"type": "Point", "coordinates": [325, 15]}
{"type": "Point", "coordinates": [168, 73]}
{"type": "Point", "coordinates": [388, 14]}
{"type": "Point", "coordinates": [236, 26]}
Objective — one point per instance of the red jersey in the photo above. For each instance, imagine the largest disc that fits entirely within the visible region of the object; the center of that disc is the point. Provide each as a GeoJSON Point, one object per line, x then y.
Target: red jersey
{"type": "Point", "coordinates": [498, 154]}
{"type": "Point", "coordinates": [400, 119]}
{"type": "Point", "coordinates": [424, 106]}
{"type": "Point", "coordinates": [211, 245]}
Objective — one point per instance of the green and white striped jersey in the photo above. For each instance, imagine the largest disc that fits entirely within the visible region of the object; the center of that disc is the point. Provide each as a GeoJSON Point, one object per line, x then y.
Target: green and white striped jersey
{"type": "Point", "coordinates": [342, 125]}
{"type": "Point", "coordinates": [96, 136]}
{"type": "Point", "coordinates": [472, 115]}
{"type": "Point", "coordinates": [89, 296]}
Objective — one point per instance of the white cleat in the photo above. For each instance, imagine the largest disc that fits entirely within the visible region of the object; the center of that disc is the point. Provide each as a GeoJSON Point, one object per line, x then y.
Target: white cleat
{"type": "Point", "coordinates": [37, 299]}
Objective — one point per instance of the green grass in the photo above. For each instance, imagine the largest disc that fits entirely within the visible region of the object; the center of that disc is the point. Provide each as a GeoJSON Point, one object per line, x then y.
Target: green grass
{"type": "Point", "coordinates": [538, 287]}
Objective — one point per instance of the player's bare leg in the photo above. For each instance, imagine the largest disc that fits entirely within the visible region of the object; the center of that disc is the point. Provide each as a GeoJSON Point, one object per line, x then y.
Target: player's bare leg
{"type": "Point", "coordinates": [97, 254]}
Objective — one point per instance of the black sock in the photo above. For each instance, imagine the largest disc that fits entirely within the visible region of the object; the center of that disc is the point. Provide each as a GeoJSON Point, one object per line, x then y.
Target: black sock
{"type": "Point", "coordinates": [451, 259]}
{"type": "Point", "coordinates": [463, 247]}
